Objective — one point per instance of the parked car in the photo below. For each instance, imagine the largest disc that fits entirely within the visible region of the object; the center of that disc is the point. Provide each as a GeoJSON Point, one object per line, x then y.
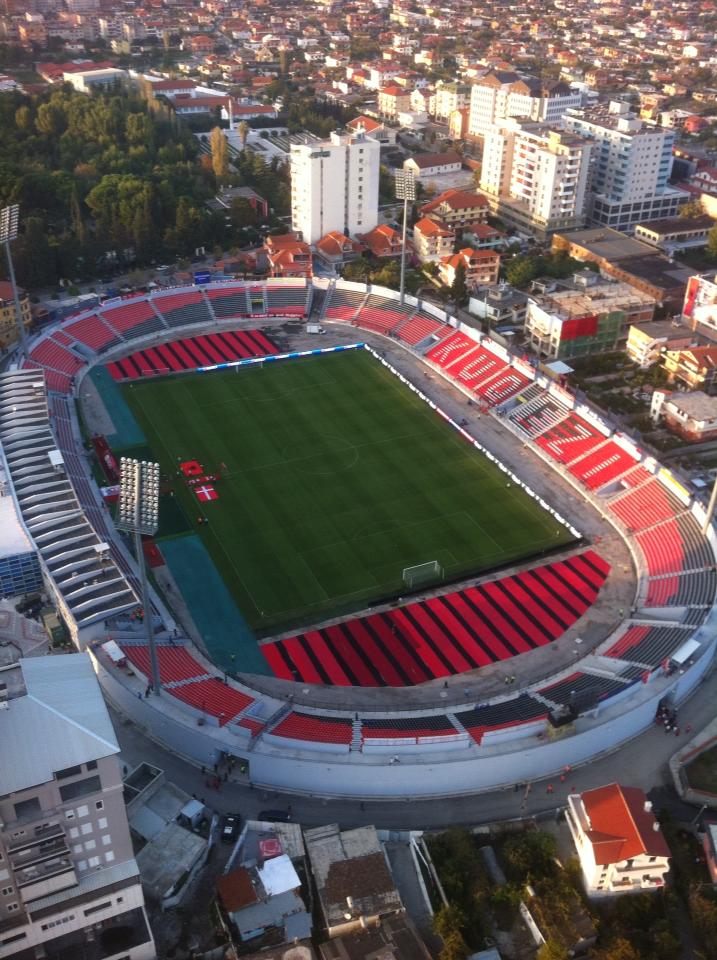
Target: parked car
{"type": "Point", "coordinates": [230, 827]}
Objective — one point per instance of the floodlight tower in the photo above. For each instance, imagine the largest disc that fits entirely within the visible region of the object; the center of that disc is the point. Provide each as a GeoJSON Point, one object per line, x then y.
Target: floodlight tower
{"type": "Point", "coordinates": [138, 513]}
{"type": "Point", "coordinates": [9, 220]}
{"type": "Point", "coordinates": [405, 190]}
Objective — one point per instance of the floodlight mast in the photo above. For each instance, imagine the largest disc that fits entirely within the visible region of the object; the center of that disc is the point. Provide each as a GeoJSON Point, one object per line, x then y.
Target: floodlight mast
{"type": "Point", "coordinates": [405, 190]}
{"type": "Point", "coordinates": [138, 513]}
{"type": "Point", "coordinates": [9, 220]}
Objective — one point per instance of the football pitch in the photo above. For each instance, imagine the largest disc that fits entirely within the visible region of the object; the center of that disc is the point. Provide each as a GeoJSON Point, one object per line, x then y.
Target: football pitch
{"type": "Point", "coordinates": [333, 477]}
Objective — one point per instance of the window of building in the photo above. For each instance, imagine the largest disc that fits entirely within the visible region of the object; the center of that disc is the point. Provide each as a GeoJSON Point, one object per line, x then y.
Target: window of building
{"type": "Point", "coordinates": [6, 891]}
{"type": "Point", "coordinates": [90, 845]}
{"type": "Point", "coordinates": [80, 788]}
{"type": "Point", "coordinates": [91, 765]}
{"type": "Point", "coordinates": [74, 833]}
{"type": "Point", "coordinates": [67, 772]}
{"type": "Point", "coordinates": [69, 814]}
{"type": "Point", "coordinates": [106, 840]}
{"type": "Point", "coordinates": [83, 811]}
{"type": "Point", "coordinates": [109, 856]}
{"type": "Point", "coordinates": [28, 809]}
{"type": "Point", "coordinates": [81, 865]}
{"type": "Point", "coordinates": [102, 823]}
{"type": "Point", "coordinates": [86, 828]}
{"type": "Point", "coordinates": [12, 907]}
{"type": "Point", "coordinates": [96, 909]}
{"type": "Point", "coordinates": [99, 804]}
{"type": "Point", "coordinates": [93, 862]}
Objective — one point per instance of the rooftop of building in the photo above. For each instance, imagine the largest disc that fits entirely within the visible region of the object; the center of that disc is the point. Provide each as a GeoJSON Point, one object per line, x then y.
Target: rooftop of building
{"type": "Point", "coordinates": [350, 864]}
{"type": "Point", "coordinates": [620, 824]}
{"type": "Point", "coordinates": [426, 160]}
{"type": "Point", "coordinates": [394, 939]}
{"type": "Point", "coordinates": [677, 224]}
{"type": "Point", "coordinates": [607, 243]}
{"type": "Point", "coordinates": [62, 715]}
{"type": "Point", "coordinates": [599, 297]}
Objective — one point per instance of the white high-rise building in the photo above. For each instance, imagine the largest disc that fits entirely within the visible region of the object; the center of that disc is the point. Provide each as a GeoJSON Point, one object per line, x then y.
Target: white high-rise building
{"type": "Point", "coordinates": [630, 168]}
{"type": "Point", "coordinates": [69, 883]}
{"type": "Point", "coordinates": [535, 176]}
{"type": "Point", "coordinates": [334, 185]}
{"type": "Point", "coordinates": [501, 94]}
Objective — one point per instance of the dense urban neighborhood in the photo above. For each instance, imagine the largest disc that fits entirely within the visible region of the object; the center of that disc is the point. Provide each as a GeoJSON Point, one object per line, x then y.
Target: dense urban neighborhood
{"type": "Point", "coordinates": [358, 466]}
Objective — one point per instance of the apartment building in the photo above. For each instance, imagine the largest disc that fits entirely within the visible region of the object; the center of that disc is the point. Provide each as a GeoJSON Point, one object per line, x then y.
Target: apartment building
{"type": "Point", "coordinates": [450, 97]}
{"type": "Point", "coordinates": [457, 209]}
{"type": "Point", "coordinates": [431, 241]}
{"type": "Point", "coordinates": [618, 840]}
{"type": "Point", "coordinates": [334, 185]}
{"type": "Point", "coordinates": [393, 100]}
{"type": "Point", "coordinates": [630, 166]}
{"type": "Point", "coordinates": [584, 318]}
{"type": "Point", "coordinates": [481, 267]}
{"type": "Point", "coordinates": [69, 883]}
{"type": "Point", "coordinates": [535, 176]}
{"type": "Point", "coordinates": [501, 94]}
{"type": "Point", "coordinates": [8, 320]}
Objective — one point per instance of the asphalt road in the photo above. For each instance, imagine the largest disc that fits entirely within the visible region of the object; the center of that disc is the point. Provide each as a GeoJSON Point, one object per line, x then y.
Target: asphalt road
{"type": "Point", "coordinates": [641, 763]}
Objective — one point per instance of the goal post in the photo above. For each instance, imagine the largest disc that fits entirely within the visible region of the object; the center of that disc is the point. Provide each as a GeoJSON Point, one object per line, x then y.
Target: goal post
{"type": "Point", "coordinates": [421, 574]}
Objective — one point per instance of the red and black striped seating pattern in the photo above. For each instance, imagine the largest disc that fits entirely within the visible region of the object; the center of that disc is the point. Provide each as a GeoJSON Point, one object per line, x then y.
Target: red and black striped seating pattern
{"type": "Point", "coordinates": [192, 352]}
{"type": "Point", "coordinates": [310, 726]}
{"type": "Point", "coordinates": [448, 634]}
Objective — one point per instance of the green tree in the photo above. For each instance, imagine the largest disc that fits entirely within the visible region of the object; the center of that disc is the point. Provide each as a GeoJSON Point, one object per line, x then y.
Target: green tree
{"type": "Point", "coordinates": [242, 214]}
{"type": "Point", "coordinates": [531, 854]}
{"type": "Point", "coordinates": [552, 951]}
{"type": "Point", "coordinates": [243, 130]}
{"type": "Point", "coordinates": [711, 248]}
{"type": "Point", "coordinates": [459, 288]}
{"type": "Point", "coordinates": [220, 154]}
{"type": "Point", "coordinates": [449, 923]}
{"type": "Point", "coordinates": [691, 209]}
{"type": "Point", "coordinates": [521, 270]}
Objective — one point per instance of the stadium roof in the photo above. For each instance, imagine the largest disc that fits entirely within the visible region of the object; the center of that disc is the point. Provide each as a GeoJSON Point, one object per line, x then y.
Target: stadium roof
{"type": "Point", "coordinates": [86, 578]}
{"type": "Point", "coordinates": [61, 722]}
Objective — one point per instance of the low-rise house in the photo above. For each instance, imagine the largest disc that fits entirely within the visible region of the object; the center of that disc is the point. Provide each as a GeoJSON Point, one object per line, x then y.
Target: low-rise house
{"type": "Point", "coordinates": [427, 165]}
{"type": "Point", "coordinates": [393, 100]}
{"type": "Point", "coordinates": [386, 136]}
{"type": "Point", "coordinates": [618, 840]}
{"type": "Point", "coordinates": [336, 249]}
{"type": "Point", "coordinates": [481, 267]}
{"type": "Point", "coordinates": [647, 341]}
{"type": "Point", "coordinates": [382, 241]}
{"type": "Point", "coordinates": [288, 257]}
{"type": "Point", "coordinates": [432, 241]}
{"type": "Point", "coordinates": [501, 305]}
{"type": "Point", "coordinates": [692, 416]}
{"type": "Point", "coordinates": [692, 369]}
{"type": "Point", "coordinates": [457, 208]}
{"type": "Point", "coordinates": [675, 233]}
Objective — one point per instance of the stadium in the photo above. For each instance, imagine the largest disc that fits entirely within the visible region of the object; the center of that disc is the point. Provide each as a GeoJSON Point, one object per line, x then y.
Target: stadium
{"type": "Point", "coordinates": [408, 564]}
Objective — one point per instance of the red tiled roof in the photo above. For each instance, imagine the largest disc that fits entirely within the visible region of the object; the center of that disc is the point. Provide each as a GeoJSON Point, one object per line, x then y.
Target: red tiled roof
{"type": "Point", "coordinates": [236, 890]}
{"type": "Point", "coordinates": [429, 228]}
{"type": "Point", "coordinates": [620, 825]}
{"type": "Point", "coordinates": [457, 200]}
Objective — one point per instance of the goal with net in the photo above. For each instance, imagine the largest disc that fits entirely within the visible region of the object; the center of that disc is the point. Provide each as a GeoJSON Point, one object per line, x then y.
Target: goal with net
{"type": "Point", "coordinates": [422, 573]}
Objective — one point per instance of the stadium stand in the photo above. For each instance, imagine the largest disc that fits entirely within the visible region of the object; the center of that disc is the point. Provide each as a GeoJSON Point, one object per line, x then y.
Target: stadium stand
{"type": "Point", "coordinates": [476, 367]}
{"type": "Point", "coordinates": [502, 715]}
{"type": "Point", "coordinates": [408, 728]}
{"type": "Point", "coordinates": [646, 505]}
{"type": "Point", "coordinates": [696, 589]}
{"type": "Point", "coordinates": [94, 333]}
{"type": "Point", "coordinates": [343, 304]}
{"type": "Point", "coordinates": [451, 349]}
{"type": "Point", "coordinates": [537, 413]}
{"type": "Point", "coordinates": [191, 353]}
{"type": "Point", "coordinates": [311, 726]}
{"type": "Point", "coordinates": [648, 645]}
{"type": "Point", "coordinates": [445, 635]}
{"type": "Point", "coordinates": [136, 315]}
{"type": "Point", "coordinates": [570, 439]}
{"type": "Point", "coordinates": [286, 299]}
{"type": "Point", "coordinates": [502, 387]}
{"type": "Point", "coordinates": [47, 353]}
{"type": "Point", "coordinates": [419, 327]}
{"type": "Point", "coordinates": [212, 697]}
{"type": "Point", "coordinates": [601, 467]}
{"type": "Point", "coordinates": [229, 301]}
{"type": "Point", "coordinates": [581, 688]}
{"type": "Point", "coordinates": [382, 315]}
{"type": "Point", "coordinates": [180, 309]}
{"type": "Point", "coordinates": [175, 662]}
{"type": "Point", "coordinates": [662, 548]}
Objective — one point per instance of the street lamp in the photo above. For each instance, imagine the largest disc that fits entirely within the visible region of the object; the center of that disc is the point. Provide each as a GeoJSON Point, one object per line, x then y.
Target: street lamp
{"type": "Point", "coordinates": [138, 513]}
{"type": "Point", "coordinates": [405, 190]}
{"type": "Point", "coordinates": [9, 219]}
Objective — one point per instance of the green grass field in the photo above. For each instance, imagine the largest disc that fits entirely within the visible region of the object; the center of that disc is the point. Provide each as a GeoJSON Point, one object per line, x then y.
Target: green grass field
{"type": "Point", "coordinates": [338, 477]}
